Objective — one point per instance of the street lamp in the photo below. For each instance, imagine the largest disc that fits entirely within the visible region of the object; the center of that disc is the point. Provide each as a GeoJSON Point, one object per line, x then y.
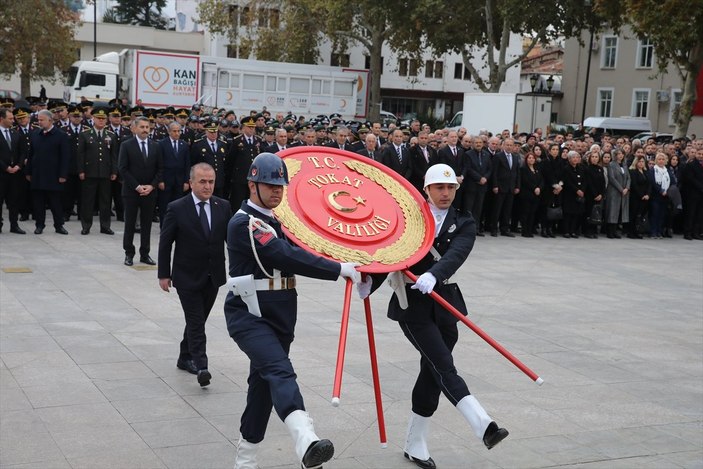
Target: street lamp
{"type": "Point", "coordinates": [533, 81]}
{"type": "Point", "coordinates": [550, 83]}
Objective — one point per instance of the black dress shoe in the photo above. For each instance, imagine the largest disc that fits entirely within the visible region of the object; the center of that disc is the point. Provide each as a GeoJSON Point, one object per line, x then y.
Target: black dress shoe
{"type": "Point", "coordinates": [527, 235]}
{"type": "Point", "coordinates": [204, 377]}
{"type": "Point", "coordinates": [494, 234]}
{"type": "Point", "coordinates": [481, 233]}
{"type": "Point", "coordinates": [494, 435]}
{"type": "Point", "coordinates": [38, 230]}
{"type": "Point", "coordinates": [318, 452]}
{"type": "Point", "coordinates": [187, 365]}
{"type": "Point", "coordinates": [17, 230]}
{"type": "Point", "coordinates": [507, 234]}
{"type": "Point", "coordinates": [147, 260]}
{"type": "Point", "coordinates": [107, 231]}
{"type": "Point", "coordinates": [61, 230]}
{"type": "Point", "coordinates": [426, 464]}
{"type": "Point", "coordinates": [85, 231]}
{"type": "Point", "coordinates": [129, 260]}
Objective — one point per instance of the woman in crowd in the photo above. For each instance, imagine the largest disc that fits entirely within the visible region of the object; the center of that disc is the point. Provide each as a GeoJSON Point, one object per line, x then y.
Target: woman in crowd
{"type": "Point", "coordinates": [538, 151]}
{"type": "Point", "coordinates": [639, 197]}
{"type": "Point", "coordinates": [661, 178]}
{"type": "Point", "coordinates": [551, 169]}
{"type": "Point", "coordinates": [595, 194]}
{"type": "Point", "coordinates": [629, 154]}
{"type": "Point", "coordinates": [572, 199]}
{"type": "Point", "coordinates": [675, 222]}
{"type": "Point", "coordinates": [605, 163]}
{"type": "Point", "coordinates": [618, 194]}
{"type": "Point", "coordinates": [531, 186]}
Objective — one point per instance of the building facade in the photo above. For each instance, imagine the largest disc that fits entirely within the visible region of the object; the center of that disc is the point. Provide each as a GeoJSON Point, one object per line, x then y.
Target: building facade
{"type": "Point", "coordinates": [623, 81]}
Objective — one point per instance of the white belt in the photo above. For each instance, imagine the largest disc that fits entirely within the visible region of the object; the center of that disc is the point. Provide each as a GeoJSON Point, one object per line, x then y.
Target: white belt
{"type": "Point", "coordinates": [280, 283]}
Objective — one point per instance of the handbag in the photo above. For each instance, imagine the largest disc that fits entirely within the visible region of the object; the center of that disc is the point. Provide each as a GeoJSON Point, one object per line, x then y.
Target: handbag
{"type": "Point", "coordinates": [596, 217]}
{"type": "Point", "coordinates": [554, 213]}
{"type": "Point", "coordinates": [642, 224]}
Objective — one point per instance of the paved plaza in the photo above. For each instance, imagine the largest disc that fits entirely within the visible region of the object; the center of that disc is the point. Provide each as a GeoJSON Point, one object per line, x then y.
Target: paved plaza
{"type": "Point", "coordinates": [88, 350]}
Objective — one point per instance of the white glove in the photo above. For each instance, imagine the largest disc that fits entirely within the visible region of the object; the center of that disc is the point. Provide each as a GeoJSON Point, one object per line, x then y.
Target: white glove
{"type": "Point", "coordinates": [348, 270]}
{"type": "Point", "coordinates": [364, 287]}
{"type": "Point", "coordinates": [425, 283]}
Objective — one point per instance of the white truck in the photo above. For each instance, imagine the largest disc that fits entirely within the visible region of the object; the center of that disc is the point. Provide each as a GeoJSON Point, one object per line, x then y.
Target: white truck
{"type": "Point", "coordinates": [160, 79]}
{"type": "Point", "coordinates": [496, 112]}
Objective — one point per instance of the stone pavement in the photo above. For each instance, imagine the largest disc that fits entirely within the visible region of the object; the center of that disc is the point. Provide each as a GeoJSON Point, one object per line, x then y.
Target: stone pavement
{"type": "Point", "coordinates": [88, 349]}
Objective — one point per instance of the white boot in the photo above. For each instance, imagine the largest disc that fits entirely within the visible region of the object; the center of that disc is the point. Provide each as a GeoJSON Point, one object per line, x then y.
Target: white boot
{"type": "Point", "coordinates": [484, 427]}
{"type": "Point", "coordinates": [311, 451]}
{"type": "Point", "coordinates": [475, 414]}
{"type": "Point", "coordinates": [246, 455]}
{"type": "Point", "coordinates": [416, 443]}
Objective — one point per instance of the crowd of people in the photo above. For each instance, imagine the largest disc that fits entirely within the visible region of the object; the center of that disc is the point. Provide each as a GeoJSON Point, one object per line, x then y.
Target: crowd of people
{"type": "Point", "coordinates": [210, 178]}
{"type": "Point", "coordinates": [551, 185]}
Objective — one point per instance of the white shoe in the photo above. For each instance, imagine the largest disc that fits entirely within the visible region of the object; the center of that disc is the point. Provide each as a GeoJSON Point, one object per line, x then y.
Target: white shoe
{"type": "Point", "coordinates": [312, 452]}
{"type": "Point", "coordinates": [246, 455]}
{"type": "Point", "coordinates": [480, 422]}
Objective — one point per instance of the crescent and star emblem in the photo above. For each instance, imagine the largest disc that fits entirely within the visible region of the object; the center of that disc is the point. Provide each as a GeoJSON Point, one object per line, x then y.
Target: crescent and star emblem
{"type": "Point", "coordinates": [336, 205]}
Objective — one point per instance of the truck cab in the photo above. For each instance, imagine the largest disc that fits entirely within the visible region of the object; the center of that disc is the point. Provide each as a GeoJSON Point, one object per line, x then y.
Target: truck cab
{"type": "Point", "coordinates": [96, 80]}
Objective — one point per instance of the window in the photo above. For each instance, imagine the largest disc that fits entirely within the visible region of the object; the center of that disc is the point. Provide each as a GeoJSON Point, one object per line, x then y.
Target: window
{"type": "Point", "coordinates": [433, 69]}
{"type": "Point", "coordinates": [339, 60]}
{"type": "Point", "coordinates": [300, 85]}
{"type": "Point", "coordinates": [94, 79]}
{"type": "Point", "coordinates": [232, 51]}
{"type": "Point", "coordinates": [604, 105]}
{"type": "Point", "coordinates": [674, 103]}
{"type": "Point", "coordinates": [343, 88]}
{"type": "Point", "coordinates": [610, 52]}
{"type": "Point", "coordinates": [223, 79]}
{"type": "Point", "coordinates": [403, 67]}
{"type": "Point", "coordinates": [640, 102]}
{"type": "Point", "coordinates": [253, 82]}
{"type": "Point", "coordinates": [645, 53]}
{"type": "Point", "coordinates": [367, 63]}
{"type": "Point", "coordinates": [414, 66]}
{"type": "Point", "coordinates": [461, 72]}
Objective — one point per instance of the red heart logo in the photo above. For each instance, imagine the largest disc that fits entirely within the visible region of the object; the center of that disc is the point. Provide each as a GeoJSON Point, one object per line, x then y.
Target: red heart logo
{"type": "Point", "coordinates": [155, 77]}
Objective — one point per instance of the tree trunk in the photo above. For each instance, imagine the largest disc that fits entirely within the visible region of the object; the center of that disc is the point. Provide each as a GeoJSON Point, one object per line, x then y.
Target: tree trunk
{"type": "Point", "coordinates": [376, 62]}
{"type": "Point", "coordinates": [688, 98]}
{"type": "Point", "coordinates": [25, 83]}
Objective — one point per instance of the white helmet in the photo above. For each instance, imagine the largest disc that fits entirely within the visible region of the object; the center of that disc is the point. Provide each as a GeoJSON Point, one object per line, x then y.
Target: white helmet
{"type": "Point", "coordinates": [440, 174]}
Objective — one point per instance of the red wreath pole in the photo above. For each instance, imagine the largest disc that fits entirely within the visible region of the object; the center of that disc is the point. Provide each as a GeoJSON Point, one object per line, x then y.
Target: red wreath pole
{"type": "Point", "coordinates": [445, 304]}
{"type": "Point", "coordinates": [337, 389]}
{"type": "Point", "coordinates": [374, 373]}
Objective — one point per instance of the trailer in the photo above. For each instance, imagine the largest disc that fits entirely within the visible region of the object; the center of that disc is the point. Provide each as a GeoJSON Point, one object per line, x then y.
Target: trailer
{"type": "Point", "coordinates": [161, 79]}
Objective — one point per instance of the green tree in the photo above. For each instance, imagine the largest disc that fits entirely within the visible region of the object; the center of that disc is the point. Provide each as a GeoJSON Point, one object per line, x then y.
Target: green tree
{"type": "Point", "coordinates": [280, 31]}
{"type": "Point", "coordinates": [38, 40]}
{"type": "Point", "coordinates": [480, 30]}
{"type": "Point", "coordinates": [675, 27]}
{"type": "Point", "coordinates": [139, 13]}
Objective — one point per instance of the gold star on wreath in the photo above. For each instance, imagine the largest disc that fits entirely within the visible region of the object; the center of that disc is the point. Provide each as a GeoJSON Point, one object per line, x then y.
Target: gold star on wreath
{"type": "Point", "coordinates": [359, 200]}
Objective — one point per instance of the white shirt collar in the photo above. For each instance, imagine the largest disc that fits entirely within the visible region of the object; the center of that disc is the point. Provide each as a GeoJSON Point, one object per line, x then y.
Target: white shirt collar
{"type": "Point", "coordinates": [197, 200]}
{"type": "Point", "coordinates": [266, 211]}
{"type": "Point", "coordinates": [438, 215]}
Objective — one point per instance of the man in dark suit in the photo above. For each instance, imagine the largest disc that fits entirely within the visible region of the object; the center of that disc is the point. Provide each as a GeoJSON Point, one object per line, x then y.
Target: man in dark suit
{"type": "Point", "coordinates": [139, 165]}
{"type": "Point", "coordinates": [97, 167]}
{"type": "Point", "coordinates": [478, 173]}
{"type": "Point", "coordinates": [72, 190]}
{"type": "Point", "coordinates": [198, 225]}
{"type": "Point", "coordinates": [280, 141]}
{"type": "Point", "coordinates": [47, 170]}
{"type": "Point", "coordinates": [453, 155]}
{"type": "Point", "coordinates": [11, 163]}
{"type": "Point", "coordinates": [176, 168]}
{"type": "Point", "coordinates": [341, 140]}
{"type": "Point", "coordinates": [369, 149]}
{"type": "Point", "coordinates": [423, 156]}
{"type": "Point", "coordinates": [505, 183]}
{"type": "Point", "coordinates": [397, 156]}
{"type": "Point", "coordinates": [430, 328]}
